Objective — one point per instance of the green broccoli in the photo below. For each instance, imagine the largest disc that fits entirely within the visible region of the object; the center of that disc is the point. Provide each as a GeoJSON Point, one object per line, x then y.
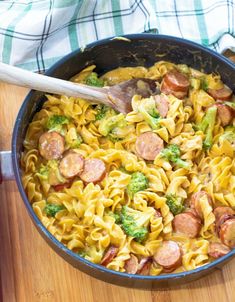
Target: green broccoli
{"type": "Point", "coordinates": [113, 138]}
{"type": "Point", "coordinates": [207, 126]}
{"type": "Point", "coordinates": [43, 172]}
{"type": "Point", "coordinates": [229, 134]}
{"type": "Point", "coordinates": [138, 182]}
{"type": "Point", "coordinates": [101, 111]}
{"type": "Point", "coordinates": [134, 223]}
{"type": "Point", "coordinates": [93, 80]}
{"type": "Point", "coordinates": [204, 84]}
{"type": "Point", "coordinates": [150, 114]}
{"type": "Point", "coordinates": [73, 139]}
{"type": "Point", "coordinates": [108, 124]}
{"type": "Point", "coordinates": [51, 209]}
{"type": "Point", "coordinates": [116, 216]}
{"type": "Point", "coordinates": [175, 204]}
{"type": "Point", "coordinates": [56, 122]}
{"type": "Point", "coordinates": [172, 154]}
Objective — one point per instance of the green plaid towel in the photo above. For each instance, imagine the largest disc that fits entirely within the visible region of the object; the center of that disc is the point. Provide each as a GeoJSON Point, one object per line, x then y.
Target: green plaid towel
{"type": "Point", "coordinates": [35, 34]}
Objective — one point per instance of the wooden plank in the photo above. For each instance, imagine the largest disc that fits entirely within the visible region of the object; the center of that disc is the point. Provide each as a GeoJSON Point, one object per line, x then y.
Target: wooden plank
{"type": "Point", "coordinates": [32, 271]}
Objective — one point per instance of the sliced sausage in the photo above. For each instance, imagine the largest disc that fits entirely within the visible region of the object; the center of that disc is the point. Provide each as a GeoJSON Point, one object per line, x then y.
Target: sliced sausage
{"type": "Point", "coordinates": [195, 204]}
{"type": "Point", "coordinates": [109, 255]}
{"type": "Point", "coordinates": [220, 221]}
{"type": "Point", "coordinates": [94, 170]}
{"type": "Point", "coordinates": [223, 94]}
{"type": "Point", "coordinates": [131, 265]}
{"type": "Point", "coordinates": [217, 250]}
{"type": "Point", "coordinates": [148, 145]}
{"type": "Point", "coordinates": [51, 145]}
{"type": "Point", "coordinates": [144, 266]}
{"type": "Point", "coordinates": [176, 81]}
{"type": "Point", "coordinates": [168, 256]}
{"type": "Point", "coordinates": [60, 187]}
{"type": "Point", "coordinates": [71, 164]}
{"type": "Point", "coordinates": [225, 113]}
{"type": "Point", "coordinates": [227, 233]}
{"type": "Point", "coordinates": [162, 104]}
{"type": "Point", "coordinates": [157, 213]}
{"type": "Point", "coordinates": [219, 211]}
{"type": "Point", "coordinates": [186, 223]}
{"type": "Point", "coordinates": [167, 90]}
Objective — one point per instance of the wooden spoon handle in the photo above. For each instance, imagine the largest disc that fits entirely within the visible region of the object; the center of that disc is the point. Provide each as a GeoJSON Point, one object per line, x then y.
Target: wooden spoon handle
{"type": "Point", "coordinates": [21, 77]}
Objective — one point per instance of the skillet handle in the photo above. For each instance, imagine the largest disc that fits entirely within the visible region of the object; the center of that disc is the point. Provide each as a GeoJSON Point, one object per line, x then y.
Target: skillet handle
{"type": "Point", "coordinates": [6, 168]}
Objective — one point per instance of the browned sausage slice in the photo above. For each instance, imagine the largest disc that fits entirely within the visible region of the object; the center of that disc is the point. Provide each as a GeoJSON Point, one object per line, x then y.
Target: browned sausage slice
{"type": "Point", "coordinates": [168, 256]}
{"type": "Point", "coordinates": [148, 145]}
{"type": "Point", "coordinates": [51, 145]}
{"type": "Point", "coordinates": [227, 233]}
{"type": "Point", "coordinates": [222, 94]}
{"type": "Point", "coordinates": [220, 211]}
{"type": "Point", "coordinates": [94, 170]}
{"type": "Point", "coordinates": [71, 164]}
{"type": "Point", "coordinates": [131, 265]}
{"type": "Point", "coordinates": [162, 104]}
{"type": "Point", "coordinates": [225, 113]}
{"type": "Point", "coordinates": [217, 249]}
{"type": "Point", "coordinates": [144, 266]}
{"type": "Point", "coordinates": [109, 255]}
{"type": "Point", "coordinates": [176, 81]}
{"type": "Point", "coordinates": [186, 223]}
{"type": "Point", "coordinates": [220, 221]}
{"type": "Point", "coordinates": [166, 90]}
{"type": "Point", "coordinates": [195, 204]}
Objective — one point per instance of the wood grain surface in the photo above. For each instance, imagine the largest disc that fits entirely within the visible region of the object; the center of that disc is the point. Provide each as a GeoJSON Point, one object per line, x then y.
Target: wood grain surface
{"type": "Point", "coordinates": [32, 271]}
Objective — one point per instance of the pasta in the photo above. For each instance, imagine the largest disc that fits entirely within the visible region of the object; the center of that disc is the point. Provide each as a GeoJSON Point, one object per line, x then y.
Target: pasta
{"type": "Point", "coordinates": [124, 190]}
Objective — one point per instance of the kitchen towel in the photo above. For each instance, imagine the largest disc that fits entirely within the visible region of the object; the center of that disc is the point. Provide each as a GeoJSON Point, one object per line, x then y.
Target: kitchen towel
{"type": "Point", "coordinates": [35, 34]}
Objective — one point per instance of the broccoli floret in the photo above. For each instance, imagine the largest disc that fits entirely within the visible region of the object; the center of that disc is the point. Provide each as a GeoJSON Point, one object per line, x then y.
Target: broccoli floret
{"type": "Point", "coordinates": [175, 204]}
{"type": "Point", "coordinates": [43, 172]}
{"type": "Point", "coordinates": [108, 124]}
{"type": "Point", "coordinates": [204, 84]}
{"type": "Point", "coordinates": [207, 126]}
{"type": "Point", "coordinates": [134, 223]}
{"type": "Point", "coordinates": [229, 134]}
{"type": "Point", "coordinates": [116, 216]}
{"type": "Point", "coordinates": [150, 114]}
{"type": "Point", "coordinates": [73, 139]}
{"type": "Point", "coordinates": [56, 122]}
{"type": "Point", "coordinates": [93, 80]}
{"type": "Point", "coordinates": [138, 182]}
{"type": "Point", "coordinates": [172, 154]}
{"type": "Point", "coordinates": [101, 111]}
{"type": "Point", "coordinates": [51, 209]}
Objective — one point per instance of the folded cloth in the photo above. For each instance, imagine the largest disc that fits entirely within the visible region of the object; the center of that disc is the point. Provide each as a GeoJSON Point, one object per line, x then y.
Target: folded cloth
{"type": "Point", "coordinates": [35, 34]}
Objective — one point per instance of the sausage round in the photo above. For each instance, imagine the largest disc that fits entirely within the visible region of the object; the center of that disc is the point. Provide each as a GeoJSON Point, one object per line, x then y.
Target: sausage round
{"type": "Point", "coordinates": [176, 81]}
{"type": "Point", "coordinates": [219, 211]}
{"type": "Point", "coordinates": [167, 90]}
{"type": "Point", "coordinates": [220, 221]}
{"type": "Point", "coordinates": [71, 164]}
{"type": "Point", "coordinates": [188, 224]}
{"type": "Point", "coordinates": [144, 266]}
{"type": "Point", "coordinates": [225, 113]}
{"type": "Point", "coordinates": [109, 255]}
{"type": "Point", "coordinates": [94, 170]}
{"type": "Point", "coordinates": [227, 232]}
{"type": "Point", "coordinates": [222, 94]}
{"type": "Point", "coordinates": [131, 265]}
{"type": "Point", "coordinates": [148, 145]}
{"type": "Point", "coordinates": [162, 105]}
{"type": "Point", "coordinates": [51, 145]}
{"type": "Point", "coordinates": [168, 256]}
{"type": "Point", "coordinates": [217, 249]}
{"type": "Point", "coordinates": [195, 204]}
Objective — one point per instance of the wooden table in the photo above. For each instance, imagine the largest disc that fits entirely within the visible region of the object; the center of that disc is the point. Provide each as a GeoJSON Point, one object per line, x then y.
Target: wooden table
{"type": "Point", "coordinates": [32, 271]}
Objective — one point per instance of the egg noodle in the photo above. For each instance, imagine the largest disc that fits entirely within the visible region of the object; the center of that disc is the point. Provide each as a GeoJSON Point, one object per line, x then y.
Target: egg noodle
{"type": "Point", "coordinates": [86, 221]}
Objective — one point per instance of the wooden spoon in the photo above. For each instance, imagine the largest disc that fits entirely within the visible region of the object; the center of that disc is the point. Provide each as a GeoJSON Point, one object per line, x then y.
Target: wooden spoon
{"type": "Point", "coordinates": [117, 96]}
